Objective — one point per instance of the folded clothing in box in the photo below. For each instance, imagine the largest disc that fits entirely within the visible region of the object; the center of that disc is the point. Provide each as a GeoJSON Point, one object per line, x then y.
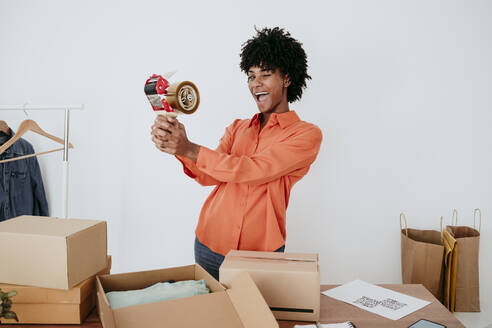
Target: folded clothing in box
{"type": "Point", "coordinates": [240, 306]}
{"type": "Point", "coordinates": [162, 291]}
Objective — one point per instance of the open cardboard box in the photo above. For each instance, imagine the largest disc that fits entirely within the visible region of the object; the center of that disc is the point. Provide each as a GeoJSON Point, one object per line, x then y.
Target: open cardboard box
{"type": "Point", "coordinates": [240, 306]}
{"type": "Point", "coordinates": [51, 252]}
{"type": "Point", "coordinates": [289, 282]}
{"type": "Point", "coordinates": [35, 305]}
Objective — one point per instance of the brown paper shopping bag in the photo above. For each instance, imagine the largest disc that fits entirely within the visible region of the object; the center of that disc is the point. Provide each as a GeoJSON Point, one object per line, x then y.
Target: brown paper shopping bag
{"type": "Point", "coordinates": [467, 275]}
{"type": "Point", "coordinates": [422, 254]}
{"type": "Point", "coordinates": [450, 256]}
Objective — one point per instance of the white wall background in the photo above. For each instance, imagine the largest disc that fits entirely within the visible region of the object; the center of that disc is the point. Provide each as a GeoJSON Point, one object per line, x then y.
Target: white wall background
{"type": "Point", "coordinates": [400, 89]}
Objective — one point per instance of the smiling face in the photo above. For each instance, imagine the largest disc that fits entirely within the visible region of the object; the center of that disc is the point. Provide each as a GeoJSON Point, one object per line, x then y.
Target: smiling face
{"type": "Point", "coordinates": [269, 89]}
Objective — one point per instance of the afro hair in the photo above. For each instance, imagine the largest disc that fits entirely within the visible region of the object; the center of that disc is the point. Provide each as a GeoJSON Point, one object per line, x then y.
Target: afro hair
{"type": "Point", "coordinates": [274, 48]}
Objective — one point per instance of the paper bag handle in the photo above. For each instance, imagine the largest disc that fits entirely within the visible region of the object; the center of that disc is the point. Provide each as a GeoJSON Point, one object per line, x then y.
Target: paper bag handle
{"type": "Point", "coordinates": [442, 231]}
{"type": "Point", "coordinates": [475, 211]}
{"type": "Point", "coordinates": [454, 218]}
{"type": "Point", "coordinates": [402, 215]}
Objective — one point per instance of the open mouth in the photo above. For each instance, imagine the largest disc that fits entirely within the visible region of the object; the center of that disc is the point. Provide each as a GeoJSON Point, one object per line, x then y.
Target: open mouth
{"type": "Point", "coordinates": [261, 96]}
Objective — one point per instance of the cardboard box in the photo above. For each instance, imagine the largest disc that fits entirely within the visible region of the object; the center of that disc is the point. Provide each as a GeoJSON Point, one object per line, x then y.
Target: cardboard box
{"type": "Point", "coordinates": [35, 305]}
{"type": "Point", "coordinates": [289, 282]}
{"type": "Point", "coordinates": [240, 306]}
{"type": "Point", "coordinates": [50, 252]}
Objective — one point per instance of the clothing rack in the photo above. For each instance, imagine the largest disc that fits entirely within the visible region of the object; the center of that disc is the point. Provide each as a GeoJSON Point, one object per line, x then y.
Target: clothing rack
{"type": "Point", "coordinates": [67, 109]}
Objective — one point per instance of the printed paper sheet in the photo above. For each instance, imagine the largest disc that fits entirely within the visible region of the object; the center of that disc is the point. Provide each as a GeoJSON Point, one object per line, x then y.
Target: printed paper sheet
{"type": "Point", "coordinates": [375, 299]}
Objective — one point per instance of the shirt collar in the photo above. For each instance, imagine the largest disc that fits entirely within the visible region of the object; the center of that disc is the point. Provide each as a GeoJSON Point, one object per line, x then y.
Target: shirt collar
{"type": "Point", "coordinates": [283, 119]}
{"type": "Point", "coordinates": [254, 119]}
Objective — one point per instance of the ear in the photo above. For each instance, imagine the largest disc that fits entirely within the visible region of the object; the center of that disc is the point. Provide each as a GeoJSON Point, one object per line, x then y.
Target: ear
{"type": "Point", "coordinates": [286, 81]}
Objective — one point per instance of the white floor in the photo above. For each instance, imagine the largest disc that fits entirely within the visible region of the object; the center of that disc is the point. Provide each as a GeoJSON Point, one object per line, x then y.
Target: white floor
{"type": "Point", "coordinates": [477, 320]}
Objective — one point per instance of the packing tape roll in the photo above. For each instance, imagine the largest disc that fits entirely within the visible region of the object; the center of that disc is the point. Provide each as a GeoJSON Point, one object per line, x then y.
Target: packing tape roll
{"type": "Point", "coordinates": [183, 97]}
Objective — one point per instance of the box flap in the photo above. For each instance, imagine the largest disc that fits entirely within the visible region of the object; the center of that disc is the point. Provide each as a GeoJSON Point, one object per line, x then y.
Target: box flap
{"type": "Point", "coordinates": [205, 311]}
{"type": "Point", "coordinates": [249, 304]}
{"type": "Point", "coordinates": [103, 308]}
{"type": "Point", "coordinates": [212, 284]}
{"type": "Point", "coordinates": [143, 279]}
{"type": "Point", "coordinates": [271, 261]}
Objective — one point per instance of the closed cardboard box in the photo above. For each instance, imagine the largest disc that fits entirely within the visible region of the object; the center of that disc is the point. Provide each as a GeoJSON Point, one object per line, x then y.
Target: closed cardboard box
{"type": "Point", "coordinates": [35, 305]}
{"type": "Point", "coordinates": [51, 252]}
{"type": "Point", "coordinates": [241, 306]}
{"type": "Point", "coordinates": [289, 282]}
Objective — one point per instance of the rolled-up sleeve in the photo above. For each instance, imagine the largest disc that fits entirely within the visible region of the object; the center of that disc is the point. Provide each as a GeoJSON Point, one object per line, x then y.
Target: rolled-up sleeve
{"type": "Point", "coordinates": [279, 159]}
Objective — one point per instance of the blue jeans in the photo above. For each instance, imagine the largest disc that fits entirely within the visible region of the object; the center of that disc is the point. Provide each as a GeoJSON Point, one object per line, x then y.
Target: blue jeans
{"type": "Point", "coordinates": [211, 261]}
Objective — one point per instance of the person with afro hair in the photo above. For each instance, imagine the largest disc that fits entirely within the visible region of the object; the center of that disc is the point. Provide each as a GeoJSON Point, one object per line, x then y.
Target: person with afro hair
{"type": "Point", "coordinates": [258, 160]}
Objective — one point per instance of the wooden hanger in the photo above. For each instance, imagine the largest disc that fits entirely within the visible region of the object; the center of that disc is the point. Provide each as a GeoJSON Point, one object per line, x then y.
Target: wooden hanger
{"type": "Point", "coordinates": [4, 127]}
{"type": "Point", "coordinates": [25, 126]}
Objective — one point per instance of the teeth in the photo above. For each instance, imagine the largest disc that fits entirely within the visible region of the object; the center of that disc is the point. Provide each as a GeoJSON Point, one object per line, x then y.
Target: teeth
{"type": "Point", "coordinates": [261, 93]}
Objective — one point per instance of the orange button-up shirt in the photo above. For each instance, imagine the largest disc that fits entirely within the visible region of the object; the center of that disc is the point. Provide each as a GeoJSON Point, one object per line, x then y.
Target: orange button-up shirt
{"type": "Point", "coordinates": [253, 172]}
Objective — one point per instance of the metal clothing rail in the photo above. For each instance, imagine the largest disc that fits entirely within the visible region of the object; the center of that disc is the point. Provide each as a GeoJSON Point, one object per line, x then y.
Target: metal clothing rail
{"type": "Point", "coordinates": [67, 109]}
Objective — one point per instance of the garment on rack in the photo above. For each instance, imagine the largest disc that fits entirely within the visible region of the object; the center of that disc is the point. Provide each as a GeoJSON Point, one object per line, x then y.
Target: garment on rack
{"type": "Point", "coordinates": [21, 183]}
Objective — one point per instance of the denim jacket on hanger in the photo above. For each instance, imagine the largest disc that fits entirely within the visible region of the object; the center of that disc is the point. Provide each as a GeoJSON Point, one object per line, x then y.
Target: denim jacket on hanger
{"type": "Point", "coordinates": [21, 184]}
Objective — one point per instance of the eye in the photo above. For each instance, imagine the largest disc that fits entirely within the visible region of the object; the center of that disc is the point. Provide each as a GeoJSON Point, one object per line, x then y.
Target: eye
{"type": "Point", "coordinates": [251, 78]}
